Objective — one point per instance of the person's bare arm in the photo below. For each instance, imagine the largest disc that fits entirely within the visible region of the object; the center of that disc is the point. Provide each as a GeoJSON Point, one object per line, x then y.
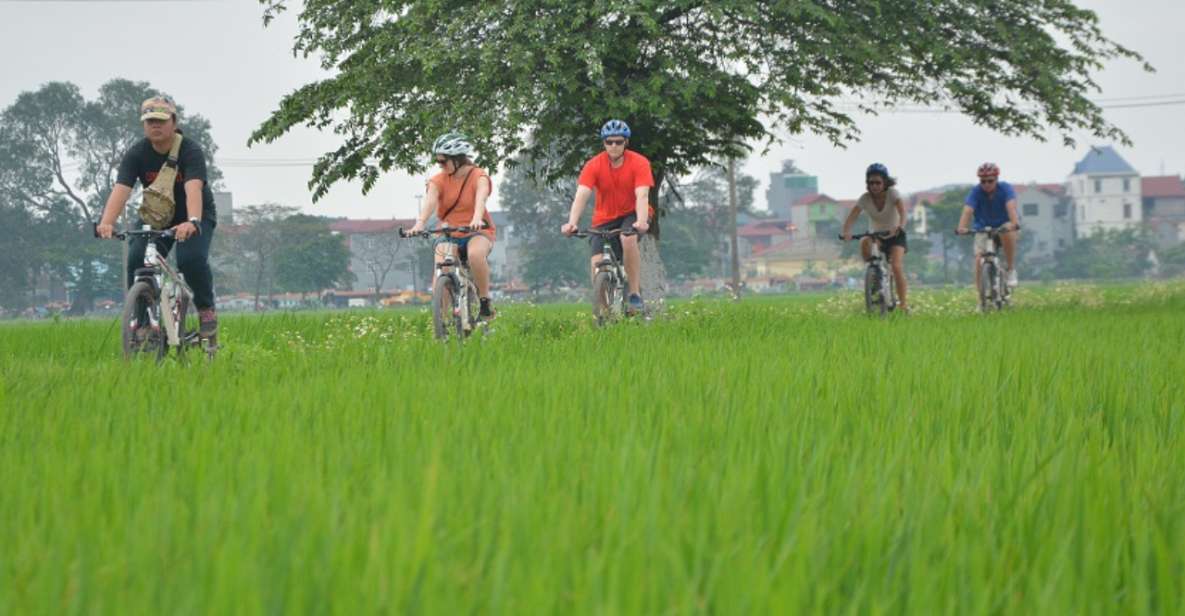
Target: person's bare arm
{"type": "Point", "coordinates": [965, 219]}
{"type": "Point", "coordinates": [479, 208]}
{"type": "Point", "coordinates": [578, 203]}
{"type": "Point", "coordinates": [116, 201]}
{"type": "Point", "coordinates": [642, 208]}
{"type": "Point", "coordinates": [1012, 215]}
{"type": "Point", "coordinates": [901, 215]}
{"type": "Point", "coordinates": [193, 209]}
{"type": "Point", "coordinates": [848, 222]}
{"type": "Point", "coordinates": [427, 206]}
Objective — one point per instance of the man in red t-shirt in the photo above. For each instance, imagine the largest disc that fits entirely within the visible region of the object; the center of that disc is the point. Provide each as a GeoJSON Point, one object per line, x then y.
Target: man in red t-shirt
{"type": "Point", "coordinates": [622, 181]}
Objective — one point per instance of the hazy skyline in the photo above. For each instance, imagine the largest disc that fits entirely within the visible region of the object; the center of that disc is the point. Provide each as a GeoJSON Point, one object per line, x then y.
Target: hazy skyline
{"type": "Point", "coordinates": [226, 66]}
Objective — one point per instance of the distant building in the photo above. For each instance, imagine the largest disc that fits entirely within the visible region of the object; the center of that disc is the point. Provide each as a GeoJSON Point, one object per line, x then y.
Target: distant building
{"type": "Point", "coordinates": [786, 187]}
{"type": "Point", "coordinates": [378, 257]}
{"type": "Point", "coordinates": [506, 257]}
{"type": "Point", "coordinates": [1046, 214]}
{"type": "Point", "coordinates": [1105, 192]}
{"type": "Point", "coordinates": [225, 202]}
{"type": "Point", "coordinates": [1164, 208]}
{"type": "Point", "coordinates": [819, 216]}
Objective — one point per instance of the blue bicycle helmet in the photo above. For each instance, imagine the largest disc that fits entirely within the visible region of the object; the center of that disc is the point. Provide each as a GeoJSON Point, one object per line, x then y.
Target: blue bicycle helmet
{"type": "Point", "coordinates": [877, 169]}
{"type": "Point", "coordinates": [615, 128]}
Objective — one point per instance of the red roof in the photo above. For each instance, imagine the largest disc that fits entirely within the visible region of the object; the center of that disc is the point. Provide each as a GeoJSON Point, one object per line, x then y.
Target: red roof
{"type": "Point", "coordinates": [1162, 186]}
{"type": "Point", "coordinates": [765, 228]}
{"type": "Point", "coordinates": [348, 226]}
{"type": "Point", "coordinates": [814, 198]}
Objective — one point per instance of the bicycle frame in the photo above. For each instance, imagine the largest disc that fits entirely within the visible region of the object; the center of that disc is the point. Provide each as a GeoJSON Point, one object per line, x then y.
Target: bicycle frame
{"type": "Point", "coordinates": [878, 264]}
{"type": "Point", "coordinates": [169, 285]}
{"type": "Point", "coordinates": [456, 269]}
{"type": "Point", "coordinates": [609, 263]}
{"type": "Point", "coordinates": [991, 256]}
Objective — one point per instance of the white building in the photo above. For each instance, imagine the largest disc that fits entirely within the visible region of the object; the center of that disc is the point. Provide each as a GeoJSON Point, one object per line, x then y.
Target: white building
{"type": "Point", "coordinates": [1105, 193]}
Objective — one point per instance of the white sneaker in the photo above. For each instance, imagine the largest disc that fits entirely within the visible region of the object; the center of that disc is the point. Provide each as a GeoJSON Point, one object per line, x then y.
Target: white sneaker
{"type": "Point", "coordinates": [1012, 278]}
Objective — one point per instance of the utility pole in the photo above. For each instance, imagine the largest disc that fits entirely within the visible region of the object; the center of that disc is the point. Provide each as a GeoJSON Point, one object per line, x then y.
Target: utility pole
{"type": "Point", "coordinates": [732, 228]}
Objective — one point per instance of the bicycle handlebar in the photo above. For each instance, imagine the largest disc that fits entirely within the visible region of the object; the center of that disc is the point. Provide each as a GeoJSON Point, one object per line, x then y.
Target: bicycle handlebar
{"type": "Point", "coordinates": [441, 230]}
{"type": "Point", "coordinates": [124, 235]}
{"type": "Point", "coordinates": [610, 233]}
{"type": "Point", "coordinates": [880, 235]}
{"type": "Point", "coordinates": [991, 231]}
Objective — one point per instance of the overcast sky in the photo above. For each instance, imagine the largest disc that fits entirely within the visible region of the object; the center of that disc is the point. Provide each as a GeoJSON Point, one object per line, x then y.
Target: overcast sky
{"type": "Point", "coordinates": [216, 58]}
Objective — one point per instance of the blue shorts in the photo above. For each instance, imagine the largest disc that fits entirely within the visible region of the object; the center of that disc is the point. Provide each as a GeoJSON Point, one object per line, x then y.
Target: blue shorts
{"type": "Point", "coordinates": [462, 243]}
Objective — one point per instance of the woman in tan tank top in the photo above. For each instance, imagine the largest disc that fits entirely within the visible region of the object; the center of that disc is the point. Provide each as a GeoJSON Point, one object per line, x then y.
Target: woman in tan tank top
{"type": "Point", "coordinates": [886, 212]}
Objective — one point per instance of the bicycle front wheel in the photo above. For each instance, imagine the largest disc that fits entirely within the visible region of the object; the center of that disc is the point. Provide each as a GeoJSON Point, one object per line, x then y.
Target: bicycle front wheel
{"type": "Point", "coordinates": [987, 286]}
{"type": "Point", "coordinates": [604, 296]}
{"type": "Point", "coordinates": [445, 317]}
{"type": "Point", "coordinates": [873, 301]}
{"type": "Point", "coordinates": [141, 324]}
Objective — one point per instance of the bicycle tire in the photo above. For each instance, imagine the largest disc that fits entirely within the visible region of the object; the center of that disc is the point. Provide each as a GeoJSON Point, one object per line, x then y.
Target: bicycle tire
{"type": "Point", "coordinates": [873, 302]}
{"type": "Point", "coordinates": [603, 297]}
{"type": "Point", "coordinates": [444, 303]}
{"type": "Point", "coordinates": [473, 307]}
{"type": "Point", "coordinates": [987, 293]}
{"type": "Point", "coordinates": [139, 303]}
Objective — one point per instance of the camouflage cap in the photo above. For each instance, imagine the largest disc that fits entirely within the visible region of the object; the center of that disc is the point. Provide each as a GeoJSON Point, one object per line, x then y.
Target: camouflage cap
{"type": "Point", "coordinates": [157, 108]}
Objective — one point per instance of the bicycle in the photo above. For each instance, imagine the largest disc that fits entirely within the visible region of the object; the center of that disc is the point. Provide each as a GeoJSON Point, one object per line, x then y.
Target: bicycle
{"type": "Point", "coordinates": [880, 294]}
{"type": "Point", "coordinates": [455, 307]}
{"type": "Point", "coordinates": [156, 314]}
{"type": "Point", "coordinates": [994, 292]}
{"type": "Point", "coordinates": [609, 297]}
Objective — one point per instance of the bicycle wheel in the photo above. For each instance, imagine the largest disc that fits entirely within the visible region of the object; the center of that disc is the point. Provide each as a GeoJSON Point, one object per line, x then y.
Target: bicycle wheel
{"type": "Point", "coordinates": [604, 297]}
{"type": "Point", "coordinates": [987, 291]}
{"type": "Point", "coordinates": [445, 319]}
{"type": "Point", "coordinates": [140, 327]}
{"type": "Point", "coordinates": [187, 323]}
{"type": "Point", "coordinates": [473, 307]}
{"type": "Point", "coordinates": [873, 300]}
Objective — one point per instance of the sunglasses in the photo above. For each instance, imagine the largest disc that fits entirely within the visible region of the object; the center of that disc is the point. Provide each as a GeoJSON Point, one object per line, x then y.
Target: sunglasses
{"type": "Point", "coordinates": [615, 142]}
{"type": "Point", "coordinates": [988, 181]}
{"type": "Point", "coordinates": [874, 182]}
{"type": "Point", "coordinates": [442, 161]}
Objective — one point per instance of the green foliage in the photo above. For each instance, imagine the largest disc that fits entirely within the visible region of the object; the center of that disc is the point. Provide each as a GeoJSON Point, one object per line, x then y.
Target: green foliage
{"type": "Point", "coordinates": [694, 79]}
{"type": "Point", "coordinates": [311, 257]}
{"type": "Point", "coordinates": [1106, 254]}
{"type": "Point", "coordinates": [536, 212]}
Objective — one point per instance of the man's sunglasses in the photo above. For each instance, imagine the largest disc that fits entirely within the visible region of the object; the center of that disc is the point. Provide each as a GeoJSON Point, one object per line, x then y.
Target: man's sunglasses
{"type": "Point", "coordinates": [988, 181]}
{"type": "Point", "coordinates": [615, 142]}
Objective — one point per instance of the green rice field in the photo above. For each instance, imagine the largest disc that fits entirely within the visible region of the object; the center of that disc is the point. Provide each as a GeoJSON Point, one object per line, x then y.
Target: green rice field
{"type": "Point", "coordinates": [780, 455]}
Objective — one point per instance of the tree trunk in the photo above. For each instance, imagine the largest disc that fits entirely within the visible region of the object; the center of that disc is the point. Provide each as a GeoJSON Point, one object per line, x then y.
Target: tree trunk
{"type": "Point", "coordinates": [732, 229]}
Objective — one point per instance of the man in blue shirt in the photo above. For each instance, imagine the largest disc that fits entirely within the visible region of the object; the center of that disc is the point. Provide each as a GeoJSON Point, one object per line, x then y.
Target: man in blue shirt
{"type": "Point", "coordinates": [992, 204]}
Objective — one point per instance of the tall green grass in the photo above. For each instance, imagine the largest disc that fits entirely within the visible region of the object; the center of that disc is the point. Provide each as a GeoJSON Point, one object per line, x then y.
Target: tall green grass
{"type": "Point", "coordinates": [773, 456]}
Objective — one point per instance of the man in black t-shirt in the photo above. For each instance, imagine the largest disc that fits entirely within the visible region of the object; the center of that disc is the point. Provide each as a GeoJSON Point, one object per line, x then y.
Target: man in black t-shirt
{"type": "Point", "coordinates": [195, 216]}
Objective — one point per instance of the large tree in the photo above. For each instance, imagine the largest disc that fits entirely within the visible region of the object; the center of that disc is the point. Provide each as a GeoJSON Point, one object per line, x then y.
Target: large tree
{"type": "Point", "coordinates": [311, 257]}
{"type": "Point", "coordinates": [59, 154]}
{"type": "Point", "coordinates": [694, 79]}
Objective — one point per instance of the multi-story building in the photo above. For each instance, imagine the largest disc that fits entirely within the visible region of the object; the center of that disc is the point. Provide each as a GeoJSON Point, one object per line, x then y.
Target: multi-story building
{"type": "Point", "coordinates": [787, 187]}
{"type": "Point", "coordinates": [819, 216]}
{"type": "Point", "coordinates": [1105, 192]}
{"type": "Point", "coordinates": [1164, 208]}
{"type": "Point", "coordinates": [1045, 214]}
{"type": "Point", "coordinates": [379, 259]}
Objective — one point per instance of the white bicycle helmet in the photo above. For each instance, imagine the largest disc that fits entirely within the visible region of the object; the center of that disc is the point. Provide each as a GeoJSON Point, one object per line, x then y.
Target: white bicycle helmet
{"type": "Point", "coordinates": [452, 144]}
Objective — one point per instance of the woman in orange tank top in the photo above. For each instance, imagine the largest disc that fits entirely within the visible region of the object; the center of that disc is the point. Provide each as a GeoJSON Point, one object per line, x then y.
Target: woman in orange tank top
{"type": "Point", "coordinates": [457, 196]}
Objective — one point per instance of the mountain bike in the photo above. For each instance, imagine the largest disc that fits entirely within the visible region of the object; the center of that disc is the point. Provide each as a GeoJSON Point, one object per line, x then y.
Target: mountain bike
{"type": "Point", "coordinates": [609, 298]}
{"type": "Point", "coordinates": [994, 292]}
{"type": "Point", "coordinates": [880, 294]}
{"type": "Point", "coordinates": [156, 310]}
{"type": "Point", "coordinates": [455, 303]}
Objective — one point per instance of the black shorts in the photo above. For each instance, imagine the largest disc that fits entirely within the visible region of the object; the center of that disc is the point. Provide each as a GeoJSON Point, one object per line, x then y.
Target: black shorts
{"type": "Point", "coordinates": [596, 243]}
{"type": "Point", "coordinates": [896, 240]}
